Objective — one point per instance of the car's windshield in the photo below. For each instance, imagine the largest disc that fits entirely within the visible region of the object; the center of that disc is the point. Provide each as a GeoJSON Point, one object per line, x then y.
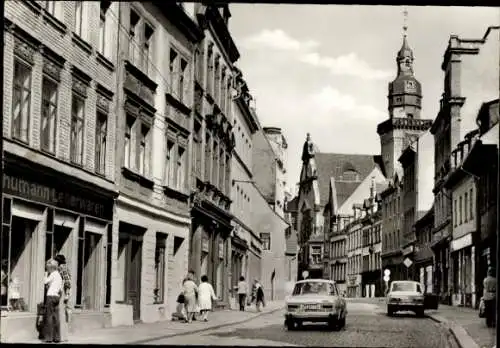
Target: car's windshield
{"type": "Point", "coordinates": [316, 288]}
{"type": "Point", "coordinates": [405, 286]}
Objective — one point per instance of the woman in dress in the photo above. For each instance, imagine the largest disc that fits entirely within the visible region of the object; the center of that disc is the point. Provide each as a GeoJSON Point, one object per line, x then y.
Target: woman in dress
{"type": "Point", "coordinates": [205, 296]}
{"type": "Point", "coordinates": [258, 295]}
{"type": "Point", "coordinates": [190, 291]}
{"type": "Point", "coordinates": [64, 306]}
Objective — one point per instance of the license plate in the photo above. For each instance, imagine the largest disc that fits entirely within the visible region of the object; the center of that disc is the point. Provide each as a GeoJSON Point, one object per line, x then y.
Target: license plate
{"type": "Point", "coordinates": [311, 307]}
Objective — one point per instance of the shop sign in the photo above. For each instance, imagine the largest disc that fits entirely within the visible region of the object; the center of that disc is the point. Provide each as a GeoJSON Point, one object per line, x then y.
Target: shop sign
{"type": "Point", "coordinates": [408, 250]}
{"type": "Point", "coordinates": [57, 197]}
{"type": "Point", "coordinates": [204, 245]}
{"type": "Point", "coordinates": [221, 249]}
{"type": "Point", "coordinates": [461, 242]}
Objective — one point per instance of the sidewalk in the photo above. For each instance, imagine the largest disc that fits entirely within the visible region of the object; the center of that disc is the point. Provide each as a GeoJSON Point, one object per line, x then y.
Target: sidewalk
{"type": "Point", "coordinates": [142, 333]}
{"type": "Point", "coordinates": [465, 324]}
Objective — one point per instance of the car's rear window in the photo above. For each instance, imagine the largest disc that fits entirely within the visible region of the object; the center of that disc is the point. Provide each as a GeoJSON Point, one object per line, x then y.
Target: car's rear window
{"type": "Point", "coordinates": [316, 288]}
{"type": "Point", "coordinates": [405, 287]}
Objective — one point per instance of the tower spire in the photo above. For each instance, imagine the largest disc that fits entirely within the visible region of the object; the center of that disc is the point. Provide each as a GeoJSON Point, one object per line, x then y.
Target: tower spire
{"type": "Point", "coordinates": [405, 21]}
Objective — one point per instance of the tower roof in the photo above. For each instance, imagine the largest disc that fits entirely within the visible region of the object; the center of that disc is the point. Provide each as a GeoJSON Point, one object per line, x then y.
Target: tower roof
{"type": "Point", "coordinates": [405, 50]}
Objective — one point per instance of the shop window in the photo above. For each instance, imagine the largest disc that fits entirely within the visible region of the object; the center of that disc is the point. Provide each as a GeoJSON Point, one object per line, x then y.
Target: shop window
{"type": "Point", "coordinates": [19, 282]}
{"type": "Point", "coordinates": [109, 263]}
{"type": "Point", "coordinates": [160, 254]}
{"type": "Point", "coordinates": [21, 101]}
{"type": "Point", "coordinates": [266, 241]}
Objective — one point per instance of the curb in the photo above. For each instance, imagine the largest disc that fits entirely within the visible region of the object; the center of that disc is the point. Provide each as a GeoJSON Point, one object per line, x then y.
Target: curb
{"type": "Point", "coordinates": [460, 335]}
{"type": "Point", "coordinates": [215, 327]}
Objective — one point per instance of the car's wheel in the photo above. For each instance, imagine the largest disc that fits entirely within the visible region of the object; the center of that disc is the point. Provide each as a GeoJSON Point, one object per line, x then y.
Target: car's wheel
{"type": "Point", "coordinates": [290, 325]}
{"type": "Point", "coordinates": [342, 322]}
{"type": "Point", "coordinates": [390, 311]}
{"type": "Point", "coordinates": [333, 325]}
{"type": "Point", "coordinates": [419, 312]}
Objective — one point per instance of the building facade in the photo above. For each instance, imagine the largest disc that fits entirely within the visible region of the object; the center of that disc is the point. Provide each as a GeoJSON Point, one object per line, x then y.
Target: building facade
{"type": "Point", "coordinates": [246, 252]}
{"type": "Point", "coordinates": [59, 140]}
{"type": "Point", "coordinates": [463, 62]}
{"type": "Point", "coordinates": [354, 232]}
{"type": "Point", "coordinates": [154, 113]}
{"type": "Point", "coordinates": [462, 251]}
{"type": "Point", "coordinates": [423, 258]}
{"type": "Point", "coordinates": [213, 144]}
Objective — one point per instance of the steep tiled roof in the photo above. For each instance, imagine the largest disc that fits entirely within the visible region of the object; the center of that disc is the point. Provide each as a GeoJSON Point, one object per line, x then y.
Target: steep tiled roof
{"type": "Point", "coordinates": [334, 164]}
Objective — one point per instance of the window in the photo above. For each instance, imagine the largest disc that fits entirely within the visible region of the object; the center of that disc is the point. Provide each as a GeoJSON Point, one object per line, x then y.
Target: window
{"type": "Point", "coordinates": [197, 149]}
{"type": "Point", "coordinates": [316, 254]}
{"type": "Point", "coordinates": [79, 18]}
{"type": "Point", "coordinates": [172, 68]}
{"type": "Point", "coordinates": [208, 156]}
{"type": "Point", "coordinates": [210, 70]}
{"type": "Point", "coordinates": [217, 80]}
{"type": "Point", "coordinates": [101, 130]}
{"type": "Point", "coordinates": [144, 151]}
{"type": "Point", "coordinates": [146, 47]}
{"type": "Point", "coordinates": [266, 241]}
{"type": "Point", "coordinates": [103, 48]}
{"type": "Point", "coordinates": [471, 206]}
{"type": "Point", "coordinates": [183, 90]}
{"type": "Point", "coordinates": [76, 136]}
{"type": "Point", "coordinates": [223, 98]}
{"type": "Point", "coordinates": [50, 7]}
{"type": "Point", "coordinates": [169, 166]}
{"type": "Point", "coordinates": [466, 206]}
{"type": "Point", "coordinates": [133, 51]}
{"type": "Point", "coordinates": [160, 254]}
{"type": "Point", "coordinates": [21, 101]}
{"type": "Point", "coordinates": [215, 162]}
{"type": "Point", "coordinates": [228, 174]}
{"type": "Point", "coordinates": [49, 115]}
{"type": "Point", "coordinates": [222, 162]}
{"type": "Point", "coordinates": [455, 215]}
{"type": "Point", "coordinates": [129, 143]}
{"type": "Point", "coordinates": [181, 168]}
{"type": "Point", "coordinates": [460, 207]}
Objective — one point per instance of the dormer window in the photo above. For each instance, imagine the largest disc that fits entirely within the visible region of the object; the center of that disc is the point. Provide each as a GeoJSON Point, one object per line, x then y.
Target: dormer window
{"type": "Point", "coordinates": [410, 116]}
{"type": "Point", "coordinates": [350, 175]}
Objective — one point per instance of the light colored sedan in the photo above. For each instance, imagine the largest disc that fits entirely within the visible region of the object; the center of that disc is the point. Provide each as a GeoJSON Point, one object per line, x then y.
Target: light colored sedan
{"type": "Point", "coordinates": [405, 295]}
{"type": "Point", "coordinates": [315, 300]}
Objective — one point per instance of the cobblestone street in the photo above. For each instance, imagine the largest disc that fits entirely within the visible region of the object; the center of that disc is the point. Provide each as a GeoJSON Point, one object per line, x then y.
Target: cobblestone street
{"type": "Point", "coordinates": [367, 326]}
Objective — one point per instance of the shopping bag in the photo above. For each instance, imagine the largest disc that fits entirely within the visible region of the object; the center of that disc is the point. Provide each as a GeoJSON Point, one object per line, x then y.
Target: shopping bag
{"type": "Point", "coordinates": [482, 308]}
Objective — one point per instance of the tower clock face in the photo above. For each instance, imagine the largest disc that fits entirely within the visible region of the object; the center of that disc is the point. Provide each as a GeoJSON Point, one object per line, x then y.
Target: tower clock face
{"type": "Point", "coordinates": [410, 86]}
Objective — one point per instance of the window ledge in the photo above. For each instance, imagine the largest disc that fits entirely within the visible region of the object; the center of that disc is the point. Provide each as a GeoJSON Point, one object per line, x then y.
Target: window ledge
{"type": "Point", "coordinates": [178, 104]}
{"type": "Point", "coordinates": [139, 178]}
{"type": "Point", "coordinates": [48, 152]}
{"type": "Point", "coordinates": [34, 6]}
{"type": "Point", "coordinates": [55, 23]}
{"type": "Point", "coordinates": [174, 193]}
{"type": "Point", "coordinates": [84, 45]}
{"type": "Point", "coordinates": [105, 62]}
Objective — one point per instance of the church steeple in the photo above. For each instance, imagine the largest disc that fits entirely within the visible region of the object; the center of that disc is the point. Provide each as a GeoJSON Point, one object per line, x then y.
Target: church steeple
{"type": "Point", "coordinates": [405, 92]}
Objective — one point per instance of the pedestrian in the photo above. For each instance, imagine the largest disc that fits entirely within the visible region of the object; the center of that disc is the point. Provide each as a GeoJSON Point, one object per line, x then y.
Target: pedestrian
{"type": "Point", "coordinates": [489, 297]}
{"type": "Point", "coordinates": [190, 291]}
{"type": "Point", "coordinates": [206, 295]}
{"type": "Point", "coordinates": [64, 304]}
{"type": "Point", "coordinates": [54, 283]}
{"type": "Point", "coordinates": [258, 295]}
{"type": "Point", "coordinates": [242, 293]}
{"type": "Point", "coordinates": [193, 277]}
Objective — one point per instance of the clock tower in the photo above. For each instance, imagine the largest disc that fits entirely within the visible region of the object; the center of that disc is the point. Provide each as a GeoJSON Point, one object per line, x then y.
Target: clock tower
{"type": "Point", "coordinates": [404, 125]}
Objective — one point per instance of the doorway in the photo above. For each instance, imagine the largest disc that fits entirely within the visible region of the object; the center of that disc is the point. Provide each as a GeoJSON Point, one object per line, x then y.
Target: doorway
{"type": "Point", "coordinates": [130, 264]}
{"type": "Point", "coordinates": [91, 271]}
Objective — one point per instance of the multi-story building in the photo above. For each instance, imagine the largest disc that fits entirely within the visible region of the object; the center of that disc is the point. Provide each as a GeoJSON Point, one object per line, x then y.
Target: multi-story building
{"type": "Point", "coordinates": [417, 198]}
{"type": "Point", "coordinates": [371, 275]}
{"type": "Point", "coordinates": [59, 93]}
{"type": "Point", "coordinates": [354, 232]}
{"type": "Point", "coordinates": [246, 252]}
{"type": "Point", "coordinates": [213, 144]}
{"type": "Point", "coordinates": [484, 150]}
{"type": "Point", "coordinates": [291, 241]}
{"type": "Point", "coordinates": [154, 113]}
{"type": "Point", "coordinates": [403, 126]}
{"type": "Point", "coordinates": [269, 153]}
{"type": "Point", "coordinates": [463, 222]}
{"type": "Point", "coordinates": [466, 64]}
{"type": "Point", "coordinates": [423, 256]}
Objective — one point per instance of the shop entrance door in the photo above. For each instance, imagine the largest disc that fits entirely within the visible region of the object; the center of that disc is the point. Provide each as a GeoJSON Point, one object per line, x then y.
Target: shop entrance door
{"type": "Point", "coordinates": [130, 263]}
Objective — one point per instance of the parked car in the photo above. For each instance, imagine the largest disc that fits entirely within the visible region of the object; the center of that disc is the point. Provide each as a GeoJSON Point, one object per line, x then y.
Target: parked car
{"type": "Point", "coordinates": [407, 295]}
{"type": "Point", "coordinates": [315, 300]}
